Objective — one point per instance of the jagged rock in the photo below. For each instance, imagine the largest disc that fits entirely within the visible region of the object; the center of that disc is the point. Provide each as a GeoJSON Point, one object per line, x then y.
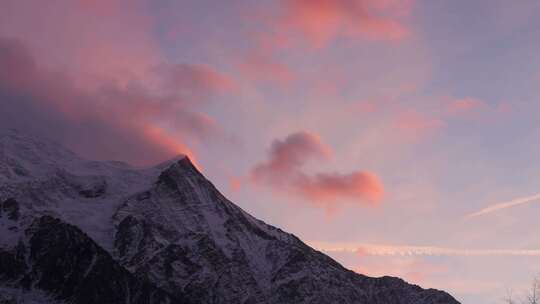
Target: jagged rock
{"type": "Point", "coordinates": [94, 191]}
{"type": "Point", "coordinates": [61, 260]}
{"type": "Point", "coordinates": [10, 208]}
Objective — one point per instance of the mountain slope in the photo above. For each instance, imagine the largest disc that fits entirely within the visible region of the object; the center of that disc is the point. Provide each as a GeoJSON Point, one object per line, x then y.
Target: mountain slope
{"type": "Point", "coordinates": [182, 226]}
{"type": "Point", "coordinates": [62, 261]}
{"type": "Point", "coordinates": [168, 228]}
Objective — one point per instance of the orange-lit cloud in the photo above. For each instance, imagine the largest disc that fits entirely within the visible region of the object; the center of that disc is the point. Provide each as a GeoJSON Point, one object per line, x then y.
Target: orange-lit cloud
{"type": "Point", "coordinates": [235, 184]}
{"type": "Point", "coordinates": [331, 187]}
{"type": "Point", "coordinates": [171, 145]}
{"type": "Point", "coordinates": [141, 123]}
{"type": "Point", "coordinates": [322, 20]}
{"type": "Point", "coordinates": [283, 171]}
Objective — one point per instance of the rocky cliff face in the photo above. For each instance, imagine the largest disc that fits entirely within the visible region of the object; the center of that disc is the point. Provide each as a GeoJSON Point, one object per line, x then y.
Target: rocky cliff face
{"type": "Point", "coordinates": [103, 232]}
{"type": "Point", "coordinates": [63, 262]}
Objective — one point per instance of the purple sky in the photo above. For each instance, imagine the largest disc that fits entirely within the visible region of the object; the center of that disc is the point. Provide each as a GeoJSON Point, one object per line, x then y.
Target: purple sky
{"type": "Point", "coordinates": [378, 130]}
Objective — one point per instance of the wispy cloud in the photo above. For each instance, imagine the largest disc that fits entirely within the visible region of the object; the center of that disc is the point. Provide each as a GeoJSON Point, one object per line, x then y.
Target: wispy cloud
{"type": "Point", "coordinates": [505, 205]}
{"type": "Point", "coordinates": [405, 250]}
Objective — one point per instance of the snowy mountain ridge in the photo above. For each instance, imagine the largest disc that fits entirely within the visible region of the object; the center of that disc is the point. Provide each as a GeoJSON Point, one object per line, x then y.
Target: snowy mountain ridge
{"type": "Point", "coordinates": [168, 233]}
{"type": "Point", "coordinates": [49, 179]}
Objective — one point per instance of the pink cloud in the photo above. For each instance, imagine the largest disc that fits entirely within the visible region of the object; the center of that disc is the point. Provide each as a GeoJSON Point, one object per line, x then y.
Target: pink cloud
{"type": "Point", "coordinates": [140, 123]}
{"type": "Point", "coordinates": [415, 125]}
{"type": "Point", "coordinates": [465, 105]}
{"type": "Point", "coordinates": [235, 184]}
{"type": "Point", "coordinates": [476, 109]}
{"type": "Point", "coordinates": [197, 78]}
{"type": "Point", "coordinates": [322, 20]}
{"type": "Point", "coordinates": [167, 143]}
{"type": "Point", "coordinates": [98, 40]}
{"type": "Point", "coordinates": [364, 107]}
{"type": "Point", "coordinates": [331, 187]}
{"type": "Point", "coordinates": [283, 172]}
{"type": "Point", "coordinates": [291, 154]}
{"type": "Point", "coordinates": [261, 67]}
{"type": "Point", "coordinates": [95, 67]}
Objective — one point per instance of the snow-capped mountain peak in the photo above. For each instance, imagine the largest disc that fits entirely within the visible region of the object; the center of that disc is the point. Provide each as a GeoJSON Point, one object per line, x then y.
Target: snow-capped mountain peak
{"type": "Point", "coordinates": [169, 235]}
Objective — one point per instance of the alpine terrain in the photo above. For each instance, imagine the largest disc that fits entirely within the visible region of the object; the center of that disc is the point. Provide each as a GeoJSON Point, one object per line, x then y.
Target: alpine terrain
{"type": "Point", "coordinates": [80, 231]}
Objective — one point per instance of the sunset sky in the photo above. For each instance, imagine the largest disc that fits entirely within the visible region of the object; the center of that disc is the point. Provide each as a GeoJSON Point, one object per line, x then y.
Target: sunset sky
{"type": "Point", "coordinates": [402, 137]}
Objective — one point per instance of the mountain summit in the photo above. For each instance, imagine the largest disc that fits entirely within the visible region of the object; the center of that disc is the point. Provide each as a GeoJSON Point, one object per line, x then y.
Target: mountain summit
{"type": "Point", "coordinates": [82, 231]}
